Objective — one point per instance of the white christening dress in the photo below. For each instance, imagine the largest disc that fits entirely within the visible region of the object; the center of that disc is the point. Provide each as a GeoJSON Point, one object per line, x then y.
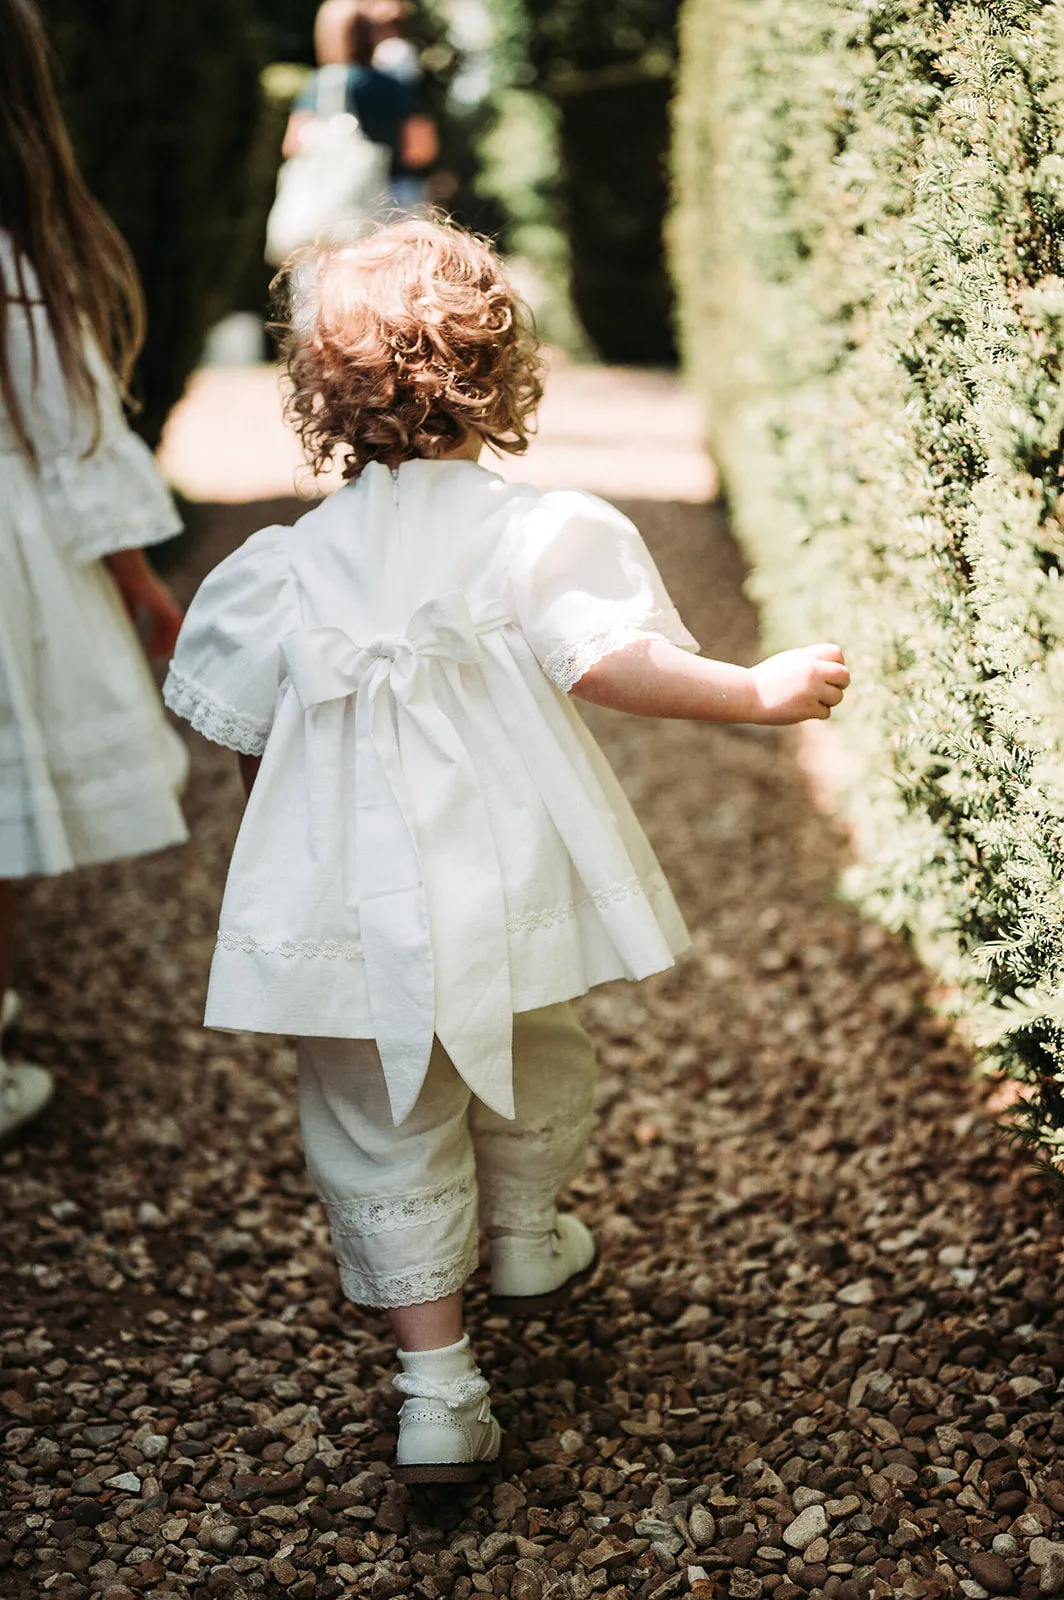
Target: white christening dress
{"type": "Point", "coordinates": [434, 840]}
{"type": "Point", "coordinates": [89, 766]}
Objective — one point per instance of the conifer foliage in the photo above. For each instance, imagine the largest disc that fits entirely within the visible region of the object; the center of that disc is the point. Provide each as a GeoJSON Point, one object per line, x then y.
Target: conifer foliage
{"type": "Point", "coordinates": [868, 237]}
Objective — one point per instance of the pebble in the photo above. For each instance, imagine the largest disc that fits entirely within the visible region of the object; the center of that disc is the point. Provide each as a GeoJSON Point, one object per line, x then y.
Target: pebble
{"type": "Point", "coordinates": [1051, 1576]}
{"type": "Point", "coordinates": [1039, 1550]}
{"type": "Point", "coordinates": [703, 1526]}
{"type": "Point", "coordinates": [807, 1526]}
{"type": "Point", "coordinates": [280, 1516]}
{"type": "Point", "coordinates": [104, 1433]}
{"type": "Point", "coordinates": [992, 1571]}
{"type": "Point", "coordinates": [861, 1293]}
{"type": "Point", "coordinates": [127, 1481]}
{"type": "Point", "coordinates": [745, 1585]}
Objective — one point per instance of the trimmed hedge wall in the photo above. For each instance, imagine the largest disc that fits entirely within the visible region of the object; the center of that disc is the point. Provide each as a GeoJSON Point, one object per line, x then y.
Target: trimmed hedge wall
{"type": "Point", "coordinates": [605, 73]}
{"type": "Point", "coordinates": [175, 139]}
{"type": "Point", "coordinates": [868, 237]}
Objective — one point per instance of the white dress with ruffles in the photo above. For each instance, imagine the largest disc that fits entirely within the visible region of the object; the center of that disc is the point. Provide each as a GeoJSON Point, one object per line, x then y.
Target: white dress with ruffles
{"type": "Point", "coordinates": [89, 766]}
{"type": "Point", "coordinates": [434, 840]}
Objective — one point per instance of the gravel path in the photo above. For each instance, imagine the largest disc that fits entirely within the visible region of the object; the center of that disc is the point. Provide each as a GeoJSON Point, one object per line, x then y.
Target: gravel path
{"type": "Point", "coordinates": [822, 1352]}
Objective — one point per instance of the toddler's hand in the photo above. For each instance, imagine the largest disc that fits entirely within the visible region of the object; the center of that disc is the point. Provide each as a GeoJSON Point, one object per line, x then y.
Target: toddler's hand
{"type": "Point", "coordinates": [798, 684]}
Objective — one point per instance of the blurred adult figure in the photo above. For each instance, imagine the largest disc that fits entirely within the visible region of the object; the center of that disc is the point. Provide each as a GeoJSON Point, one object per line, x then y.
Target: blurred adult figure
{"type": "Point", "coordinates": [397, 55]}
{"type": "Point", "coordinates": [388, 105]}
{"type": "Point", "coordinates": [89, 767]}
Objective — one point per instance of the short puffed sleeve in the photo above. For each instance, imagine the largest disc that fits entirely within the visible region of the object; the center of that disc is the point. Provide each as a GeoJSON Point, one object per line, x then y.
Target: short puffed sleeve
{"type": "Point", "coordinates": [227, 667]}
{"type": "Point", "coordinates": [583, 584]}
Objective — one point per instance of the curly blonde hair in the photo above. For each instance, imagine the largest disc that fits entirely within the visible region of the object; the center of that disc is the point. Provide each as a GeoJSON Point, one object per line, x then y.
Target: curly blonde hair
{"type": "Point", "coordinates": [402, 343]}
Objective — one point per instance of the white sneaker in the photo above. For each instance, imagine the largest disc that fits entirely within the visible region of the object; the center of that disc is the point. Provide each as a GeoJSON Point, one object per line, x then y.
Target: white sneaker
{"type": "Point", "coordinates": [531, 1273]}
{"type": "Point", "coordinates": [24, 1093]}
{"type": "Point", "coordinates": [447, 1433]}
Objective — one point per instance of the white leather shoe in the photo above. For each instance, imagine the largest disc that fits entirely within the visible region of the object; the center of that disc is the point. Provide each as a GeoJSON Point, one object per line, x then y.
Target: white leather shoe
{"type": "Point", "coordinates": [10, 1011]}
{"type": "Point", "coordinates": [447, 1433]}
{"type": "Point", "coordinates": [24, 1092]}
{"type": "Point", "coordinates": [531, 1273]}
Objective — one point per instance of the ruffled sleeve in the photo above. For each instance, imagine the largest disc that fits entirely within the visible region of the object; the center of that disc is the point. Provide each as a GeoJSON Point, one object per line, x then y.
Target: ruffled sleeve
{"type": "Point", "coordinates": [583, 584]}
{"type": "Point", "coordinates": [227, 668]}
{"type": "Point", "coordinates": [98, 484]}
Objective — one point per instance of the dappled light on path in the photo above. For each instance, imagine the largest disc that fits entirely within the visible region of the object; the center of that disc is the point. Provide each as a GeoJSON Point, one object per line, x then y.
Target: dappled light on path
{"type": "Point", "coordinates": [611, 430]}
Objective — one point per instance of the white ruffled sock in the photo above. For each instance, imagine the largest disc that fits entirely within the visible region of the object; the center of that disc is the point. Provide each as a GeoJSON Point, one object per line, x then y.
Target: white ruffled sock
{"type": "Point", "coordinates": [449, 1374]}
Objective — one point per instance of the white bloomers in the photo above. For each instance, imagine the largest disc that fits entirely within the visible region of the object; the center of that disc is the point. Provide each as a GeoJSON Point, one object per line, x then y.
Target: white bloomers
{"type": "Point", "coordinates": [403, 1201]}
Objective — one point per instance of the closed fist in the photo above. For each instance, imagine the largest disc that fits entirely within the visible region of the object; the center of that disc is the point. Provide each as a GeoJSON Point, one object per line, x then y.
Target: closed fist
{"type": "Point", "coordinates": [798, 684]}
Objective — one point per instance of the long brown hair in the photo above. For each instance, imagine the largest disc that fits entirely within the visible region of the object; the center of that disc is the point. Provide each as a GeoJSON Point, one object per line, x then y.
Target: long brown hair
{"type": "Point", "coordinates": [86, 279]}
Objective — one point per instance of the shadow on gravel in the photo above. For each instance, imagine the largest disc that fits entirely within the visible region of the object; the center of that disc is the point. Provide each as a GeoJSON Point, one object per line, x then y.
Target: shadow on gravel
{"type": "Point", "coordinates": [821, 1354]}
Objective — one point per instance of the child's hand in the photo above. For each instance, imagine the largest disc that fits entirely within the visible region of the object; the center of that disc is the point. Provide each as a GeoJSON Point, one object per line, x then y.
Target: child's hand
{"type": "Point", "coordinates": [144, 591]}
{"type": "Point", "coordinates": [798, 684]}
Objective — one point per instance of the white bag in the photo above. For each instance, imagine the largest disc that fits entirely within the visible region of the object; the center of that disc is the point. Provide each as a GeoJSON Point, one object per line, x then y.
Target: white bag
{"type": "Point", "coordinates": [339, 179]}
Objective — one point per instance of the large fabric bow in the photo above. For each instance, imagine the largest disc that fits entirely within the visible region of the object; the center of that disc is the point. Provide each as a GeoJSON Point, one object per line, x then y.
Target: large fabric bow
{"type": "Point", "coordinates": [418, 852]}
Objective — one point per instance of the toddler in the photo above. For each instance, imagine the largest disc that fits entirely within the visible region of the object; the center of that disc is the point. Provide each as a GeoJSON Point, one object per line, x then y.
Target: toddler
{"type": "Point", "coordinates": [435, 858]}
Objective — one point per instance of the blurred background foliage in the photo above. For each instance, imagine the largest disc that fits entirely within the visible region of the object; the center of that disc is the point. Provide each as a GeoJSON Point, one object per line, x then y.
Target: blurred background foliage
{"type": "Point", "coordinates": [578, 155]}
{"type": "Point", "coordinates": [554, 132]}
{"type": "Point", "coordinates": [177, 141]}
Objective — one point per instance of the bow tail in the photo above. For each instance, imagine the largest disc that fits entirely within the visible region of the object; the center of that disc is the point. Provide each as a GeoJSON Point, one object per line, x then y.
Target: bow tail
{"type": "Point", "coordinates": [393, 921]}
{"type": "Point", "coordinates": [467, 911]}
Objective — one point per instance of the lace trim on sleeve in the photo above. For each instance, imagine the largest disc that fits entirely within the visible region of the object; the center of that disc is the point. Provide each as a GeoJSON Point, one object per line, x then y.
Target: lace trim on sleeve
{"type": "Point", "coordinates": [215, 721]}
{"type": "Point", "coordinates": [567, 665]}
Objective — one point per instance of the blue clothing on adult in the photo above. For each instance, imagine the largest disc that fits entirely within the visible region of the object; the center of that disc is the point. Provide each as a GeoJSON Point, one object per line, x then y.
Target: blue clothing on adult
{"type": "Point", "coordinates": [380, 102]}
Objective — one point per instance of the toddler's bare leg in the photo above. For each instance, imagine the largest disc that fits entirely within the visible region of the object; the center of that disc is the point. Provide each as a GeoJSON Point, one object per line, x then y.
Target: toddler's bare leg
{"type": "Point", "coordinates": [428, 1326]}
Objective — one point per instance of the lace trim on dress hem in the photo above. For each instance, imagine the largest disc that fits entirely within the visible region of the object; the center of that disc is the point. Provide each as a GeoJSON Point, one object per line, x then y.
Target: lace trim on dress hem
{"type": "Point", "coordinates": [390, 1213]}
{"type": "Point", "coordinates": [314, 949]}
{"type": "Point", "coordinates": [411, 1288]}
{"type": "Point", "coordinates": [567, 665]}
{"type": "Point", "coordinates": [518, 922]}
{"type": "Point", "coordinates": [219, 723]}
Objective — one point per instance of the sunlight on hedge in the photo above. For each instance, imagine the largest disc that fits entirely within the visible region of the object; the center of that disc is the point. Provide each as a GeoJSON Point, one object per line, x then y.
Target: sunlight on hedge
{"type": "Point", "coordinates": [868, 239]}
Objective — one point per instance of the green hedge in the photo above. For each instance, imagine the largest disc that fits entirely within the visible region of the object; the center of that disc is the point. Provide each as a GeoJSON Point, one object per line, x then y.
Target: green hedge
{"type": "Point", "coordinates": [591, 86]}
{"type": "Point", "coordinates": [176, 140]}
{"type": "Point", "coordinates": [868, 239]}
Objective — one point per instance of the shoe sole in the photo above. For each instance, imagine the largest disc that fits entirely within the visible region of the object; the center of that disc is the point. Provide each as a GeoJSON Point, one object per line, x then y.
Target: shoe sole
{"type": "Point", "coordinates": [444, 1472]}
{"type": "Point", "coordinates": [530, 1305]}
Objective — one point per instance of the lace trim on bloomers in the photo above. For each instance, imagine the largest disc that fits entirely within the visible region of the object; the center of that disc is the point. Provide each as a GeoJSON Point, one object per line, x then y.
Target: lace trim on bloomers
{"type": "Point", "coordinates": [567, 665]}
{"type": "Point", "coordinates": [410, 1288]}
{"type": "Point", "coordinates": [390, 1213]}
{"type": "Point", "coordinates": [518, 922]}
{"type": "Point", "coordinates": [215, 721]}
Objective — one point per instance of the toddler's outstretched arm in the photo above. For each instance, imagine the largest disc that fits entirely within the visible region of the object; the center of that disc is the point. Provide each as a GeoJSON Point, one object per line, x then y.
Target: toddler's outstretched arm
{"type": "Point", "coordinates": [655, 679]}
